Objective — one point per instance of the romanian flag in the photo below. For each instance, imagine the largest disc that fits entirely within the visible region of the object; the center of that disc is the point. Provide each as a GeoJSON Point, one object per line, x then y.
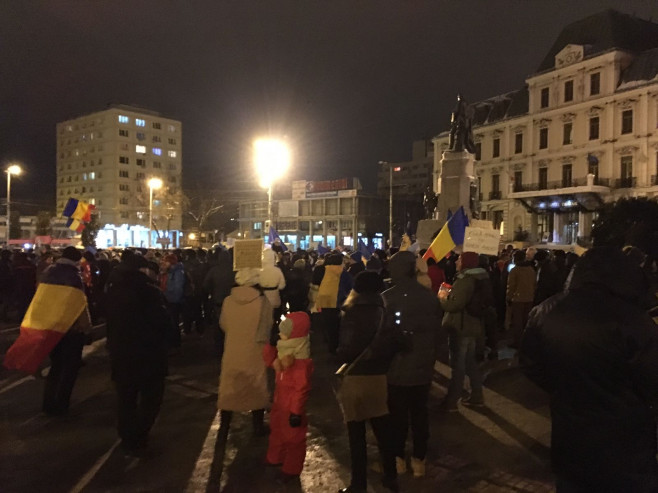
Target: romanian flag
{"type": "Point", "coordinates": [450, 236]}
{"type": "Point", "coordinates": [54, 309]}
{"type": "Point", "coordinates": [79, 210]}
{"type": "Point", "coordinates": [75, 225]}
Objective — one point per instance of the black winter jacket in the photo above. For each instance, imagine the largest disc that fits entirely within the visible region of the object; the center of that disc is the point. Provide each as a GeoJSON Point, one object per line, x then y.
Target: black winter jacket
{"type": "Point", "coordinates": [361, 317]}
{"type": "Point", "coordinates": [137, 326]}
{"type": "Point", "coordinates": [596, 353]}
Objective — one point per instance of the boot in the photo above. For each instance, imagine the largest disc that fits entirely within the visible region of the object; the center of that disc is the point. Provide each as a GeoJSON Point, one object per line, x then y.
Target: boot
{"type": "Point", "coordinates": [418, 467]}
{"type": "Point", "coordinates": [258, 421]}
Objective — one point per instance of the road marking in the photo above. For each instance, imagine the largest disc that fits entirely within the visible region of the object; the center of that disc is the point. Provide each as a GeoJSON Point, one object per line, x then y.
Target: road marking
{"type": "Point", "coordinates": [201, 474]}
{"type": "Point", "coordinates": [86, 479]}
{"type": "Point", "coordinates": [533, 425]}
{"type": "Point", "coordinates": [16, 383]}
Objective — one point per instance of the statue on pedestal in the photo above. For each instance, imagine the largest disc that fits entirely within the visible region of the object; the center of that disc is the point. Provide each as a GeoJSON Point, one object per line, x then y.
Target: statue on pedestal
{"type": "Point", "coordinates": [430, 201]}
{"type": "Point", "coordinates": [461, 132]}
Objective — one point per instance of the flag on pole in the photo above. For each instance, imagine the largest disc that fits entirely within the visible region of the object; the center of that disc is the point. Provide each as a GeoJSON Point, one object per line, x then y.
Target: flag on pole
{"type": "Point", "coordinates": [322, 250]}
{"type": "Point", "coordinates": [273, 235]}
{"type": "Point", "coordinates": [363, 250]}
{"type": "Point", "coordinates": [53, 310]}
{"type": "Point", "coordinates": [451, 235]}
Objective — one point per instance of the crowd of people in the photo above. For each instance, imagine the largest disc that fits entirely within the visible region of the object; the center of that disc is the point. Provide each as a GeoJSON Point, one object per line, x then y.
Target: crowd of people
{"type": "Point", "coordinates": [581, 328]}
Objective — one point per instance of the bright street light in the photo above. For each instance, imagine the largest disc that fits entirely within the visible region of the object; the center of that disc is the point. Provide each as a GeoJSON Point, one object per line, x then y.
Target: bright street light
{"type": "Point", "coordinates": [154, 184]}
{"type": "Point", "coordinates": [13, 169]}
{"type": "Point", "coordinates": [272, 159]}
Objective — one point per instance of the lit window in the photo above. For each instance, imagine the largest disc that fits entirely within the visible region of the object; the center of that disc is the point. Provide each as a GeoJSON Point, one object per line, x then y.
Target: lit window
{"type": "Point", "coordinates": [172, 153]}
{"type": "Point", "coordinates": [140, 149]}
{"type": "Point", "coordinates": [84, 176]}
{"type": "Point", "coordinates": [92, 201]}
{"type": "Point", "coordinates": [92, 176]}
{"type": "Point", "coordinates": [139, 122]}
{"type": "Point", "coordinates": [157, 151]}
{"type": "Point", "coordinates": [123, 119]}
{"type": "Point", "coordinates": [171, 128]}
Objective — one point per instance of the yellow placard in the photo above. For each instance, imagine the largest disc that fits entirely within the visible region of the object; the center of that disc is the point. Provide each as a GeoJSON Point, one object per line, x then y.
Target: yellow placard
{"type": "Point", "coordinates": [247, 254]}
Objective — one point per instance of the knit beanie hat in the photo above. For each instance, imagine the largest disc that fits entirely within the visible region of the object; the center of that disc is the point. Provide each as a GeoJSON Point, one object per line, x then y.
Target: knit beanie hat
{"type": "Point", "coordinates": [295, 325]}
{"type": "Point", "coordinates": [356, 256]}
{"type": "Point", "coordinates": [470, 260]}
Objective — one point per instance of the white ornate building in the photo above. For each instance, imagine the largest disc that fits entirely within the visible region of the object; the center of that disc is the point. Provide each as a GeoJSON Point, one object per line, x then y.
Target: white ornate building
{"type": "Point", "coordinates": [583, 131]}
{"type": "Point", "coordinates": [106, 159]}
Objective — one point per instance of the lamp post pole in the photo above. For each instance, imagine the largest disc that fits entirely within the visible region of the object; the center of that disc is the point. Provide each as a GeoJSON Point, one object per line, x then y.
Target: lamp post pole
{"type": "Point", "coordinates": [8, 206]}
{"type": "Point", "coordinates": [150, 215]}
{"type": "Point", "coordinates": [390, 205]}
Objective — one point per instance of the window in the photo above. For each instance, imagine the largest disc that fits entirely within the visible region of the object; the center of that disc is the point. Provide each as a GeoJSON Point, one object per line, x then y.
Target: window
{"type": "Point", "coordinates": [156, 138]}
{"type": "Point", "coordinates": [495, 183]}
{"type": "Point", "coordinates": [124, 215]}
{"type": "Point", "coordinates": [123, 119]}
{"type": "Point", "coordinates": [124, 187]}
{"type": "Point", "coordinates": [568, 91]}
{"type": "Point", "coordinates": [124, 160]}
{"type": "Point", "coordinates": [543, 178]}
{"type": "Point", "coordinates": [595, 84]}
{"type": "Point", "coordinates": [594, 128]}
{"type": "Point", "coordinates": [566, 133]}
{"type": "Point", "coordinates": [156, 125]}
{"type": "Point", "coordinates": [172, 153]}
{"type": "Point", "coordinates": [123, 133]}
{"type": "Point", "coordinates": [84, 189]}
{"type": "Point", "coordinates": [171, 128]}
{"type": "Point", "coordinates": [478, 151]}
{"type": "Point", "coordinates": [141, 136]}
{"type": "Point", "coordinates": [626, 172]}
{"type": "Point", "coordinates": [172, 167]}
{"type": "Point", "coordinates": [123, 174]}
{"type": "Point", "coordinates": [157, 151]}
{"type": "Point", "coordinates": [92, 176]}
{"type": "Point", "coordinates": [172, 179]}
{"type": "Point", "coordinates": [141, 162]}
{"type": "Point", "coordinates": [84, 176]}
{"type": "Point", "coordinates": [139, 122]}
{"type": "Point", "coordinates": [140, 176]}
{"type": "Point", "coordinates": [566, 175]}
{"type": "Point", "coordinates": [543, 138]}
{"type": "Point", "coordinates": [518, 143]}
{"type": "Point", "coordinates": [124, 201]}
{"type": "Point", "coordinates": [157, 164]}
{"type": "Point", "coordinates": [627, 122]}
{"type": "Point", "coordinates": [496, 147]}
{"type": "Point", "coordinates": [518, 181]}
{"type": "Point", "coordinates": [172, 142]}
{"type": "Point", "coordinates": [140, 149]}
{"type": "Point", "coordinates": [544, 98]}
{"type": "Point", "coordinates": [593, 167]}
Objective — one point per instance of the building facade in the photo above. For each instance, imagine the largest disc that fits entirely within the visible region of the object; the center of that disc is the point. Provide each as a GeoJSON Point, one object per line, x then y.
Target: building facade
{"type": "Point", "coordinates": [583, 131]}
{"type": "Point", "coordinates": [106, 159]}
{"type": "Point", "coordinates": [332, 213]}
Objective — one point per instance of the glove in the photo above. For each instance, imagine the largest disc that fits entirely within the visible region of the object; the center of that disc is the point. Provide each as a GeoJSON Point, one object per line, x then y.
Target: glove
{"type": "Point", "coordinates": [295, 420]}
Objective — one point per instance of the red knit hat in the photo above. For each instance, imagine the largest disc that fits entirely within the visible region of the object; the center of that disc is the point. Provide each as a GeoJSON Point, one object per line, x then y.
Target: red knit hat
{"type": "Point", "coordinates": [470, 260]}
{"type": "Point", "coordinates": [296, 324]}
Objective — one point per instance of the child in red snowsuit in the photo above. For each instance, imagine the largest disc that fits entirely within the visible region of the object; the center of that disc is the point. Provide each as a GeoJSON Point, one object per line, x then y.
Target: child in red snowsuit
{"type": "Point", "coordinates": [291, 358]}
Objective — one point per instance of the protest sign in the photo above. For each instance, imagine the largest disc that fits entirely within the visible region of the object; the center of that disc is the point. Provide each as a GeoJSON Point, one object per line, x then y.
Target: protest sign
{"type": "Point", "coordinates": [247, 254]}
{"type": "Point", "coordinates": [478, 240]}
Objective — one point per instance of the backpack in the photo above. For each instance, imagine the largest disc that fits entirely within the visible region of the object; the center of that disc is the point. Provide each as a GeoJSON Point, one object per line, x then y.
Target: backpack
{"type": "Point", "coordinates": [482, 298]}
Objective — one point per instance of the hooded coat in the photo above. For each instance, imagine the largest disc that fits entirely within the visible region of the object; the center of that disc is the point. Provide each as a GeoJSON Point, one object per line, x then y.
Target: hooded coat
{"type": "Point", "coordinates": [420, 317]}
{"type": "Point", "coordinates": [271, 278]}
{"type": "Point", "coordinates": [595, 351]}
{"type": "Point", "coordinates": [246, 319]}
{"type": "Point", "coordinates": [457, 321]}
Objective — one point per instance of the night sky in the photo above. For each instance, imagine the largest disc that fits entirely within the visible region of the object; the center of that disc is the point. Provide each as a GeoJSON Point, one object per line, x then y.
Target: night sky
{"type": "Point", "coordinates": [348, 82]}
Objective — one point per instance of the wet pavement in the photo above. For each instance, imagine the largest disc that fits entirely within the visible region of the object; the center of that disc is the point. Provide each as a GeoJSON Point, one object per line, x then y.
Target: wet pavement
{"type": "Point", "coordinates": [500, 448]}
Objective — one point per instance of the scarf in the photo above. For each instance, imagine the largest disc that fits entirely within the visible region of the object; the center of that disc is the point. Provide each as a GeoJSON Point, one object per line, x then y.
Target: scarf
{"type": "Point", "coordinates": [298, 348]}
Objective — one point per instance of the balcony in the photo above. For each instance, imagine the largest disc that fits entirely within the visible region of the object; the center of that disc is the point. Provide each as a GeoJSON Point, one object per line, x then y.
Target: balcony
{"type": "Point", "coordinates": [495, 195]}
{"type": "Point", "coordinates": [625, 182]}
{"type": "Point", "coordinates": [556, 184]}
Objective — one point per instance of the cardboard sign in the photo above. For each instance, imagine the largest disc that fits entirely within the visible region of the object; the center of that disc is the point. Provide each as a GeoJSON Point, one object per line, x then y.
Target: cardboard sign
{"type": "Point", "coordinates": [478, 240]}
{"type": "Point", "coordinates": [247, 254]}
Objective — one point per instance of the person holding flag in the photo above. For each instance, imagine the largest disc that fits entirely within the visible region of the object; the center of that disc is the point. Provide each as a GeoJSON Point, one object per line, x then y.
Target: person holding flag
{"type": "Point", "coordinates": [56, 323]}
{"type": "Point", "coordinates": [451, 236]}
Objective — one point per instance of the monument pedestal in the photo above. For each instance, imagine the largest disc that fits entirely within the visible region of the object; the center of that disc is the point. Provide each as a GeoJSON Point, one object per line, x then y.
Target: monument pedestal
{"type": "Point", "coordinates": [457, 174]}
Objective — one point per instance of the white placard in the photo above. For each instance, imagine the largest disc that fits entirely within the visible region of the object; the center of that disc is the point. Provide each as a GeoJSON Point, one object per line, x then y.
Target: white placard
{"type": "Point", "coordinates": [479, 240]}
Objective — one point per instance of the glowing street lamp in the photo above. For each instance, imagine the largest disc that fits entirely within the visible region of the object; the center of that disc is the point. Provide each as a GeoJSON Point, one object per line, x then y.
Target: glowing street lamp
{"type": "Point", "coordinates": [272, 159]}
{"type": "Point", "coordinates": [154, 184]}
{"type": "Point", "coordinates": [13, 169]}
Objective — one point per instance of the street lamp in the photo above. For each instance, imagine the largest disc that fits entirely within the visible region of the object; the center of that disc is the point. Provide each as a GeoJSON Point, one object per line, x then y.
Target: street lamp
{"type": "Point", "coordinates": [154, 184]}
{"type": "Point", "coordinates": [272, 159]}
{"type": "Point", "coordinates": [14, 169]}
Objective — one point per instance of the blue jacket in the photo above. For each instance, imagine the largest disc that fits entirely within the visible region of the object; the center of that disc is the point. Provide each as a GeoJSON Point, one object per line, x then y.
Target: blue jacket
{"type": "Point", "coordinates": [175, 284]}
